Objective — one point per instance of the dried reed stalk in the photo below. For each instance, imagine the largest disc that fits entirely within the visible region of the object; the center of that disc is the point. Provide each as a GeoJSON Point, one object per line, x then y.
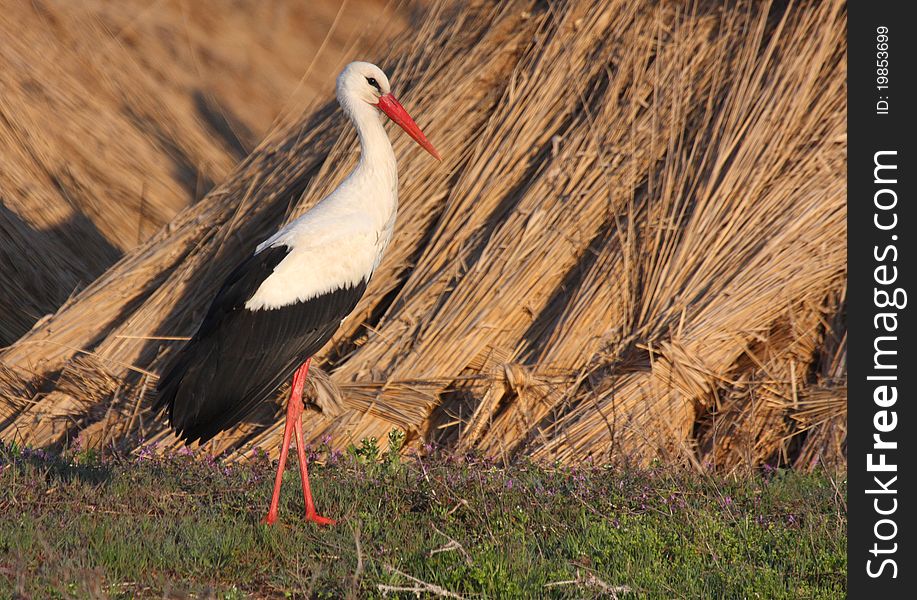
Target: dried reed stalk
{"type": "Point", "coordinates": [116, 115]}
{"type": "Point", "coordinates": [156, 289]}
{"type": "Point", "coordinates": [821, 412]}
{"type": "Point", "coordinates": [641, 212]}
{"type": "Point", "coordinates": [759, 223]}
{"type": "Point", "coordinates": [750, 422]}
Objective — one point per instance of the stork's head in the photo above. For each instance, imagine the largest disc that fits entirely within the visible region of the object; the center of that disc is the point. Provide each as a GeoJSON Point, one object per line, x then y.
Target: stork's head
{"type": "Point", "coordinates": [363, 84]}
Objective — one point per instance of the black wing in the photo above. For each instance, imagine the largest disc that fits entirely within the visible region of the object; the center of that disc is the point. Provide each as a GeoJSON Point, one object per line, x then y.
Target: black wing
{"type": "Point", "coordinates": [239, 357]}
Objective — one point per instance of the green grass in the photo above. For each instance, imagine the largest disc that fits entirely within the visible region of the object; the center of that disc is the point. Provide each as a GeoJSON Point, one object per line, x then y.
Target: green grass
{"type": "Point", "coordinates": [76, 525]}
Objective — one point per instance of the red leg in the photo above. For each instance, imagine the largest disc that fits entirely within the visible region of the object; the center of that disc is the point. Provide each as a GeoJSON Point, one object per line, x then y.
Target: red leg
{"type": "Point", "coordinates": [294, 424]}
{"type": "Point", "coordinates": [294, 412]}
{"type": "Point", "coordinates": [311, 514]}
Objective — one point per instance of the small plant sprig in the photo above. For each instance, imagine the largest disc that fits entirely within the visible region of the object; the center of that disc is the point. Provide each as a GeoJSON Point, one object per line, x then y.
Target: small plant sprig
{"type": "Point", "coordinates": [369, 454]}
{"type": "Point", "coordinates": [392, 457]}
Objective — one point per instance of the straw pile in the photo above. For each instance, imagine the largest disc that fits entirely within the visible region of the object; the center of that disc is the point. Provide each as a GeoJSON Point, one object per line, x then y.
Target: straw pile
{"type": "Point", "coordinates": [116, 115]}
{"type": "Point", "coordinates": [635, 249]}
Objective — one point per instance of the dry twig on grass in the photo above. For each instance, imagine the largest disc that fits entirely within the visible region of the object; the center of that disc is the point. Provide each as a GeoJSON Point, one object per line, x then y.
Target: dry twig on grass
{"type": "Point", "coordinates": [591, 581]}
{"type": "Point", "coordinates": [419, 587]}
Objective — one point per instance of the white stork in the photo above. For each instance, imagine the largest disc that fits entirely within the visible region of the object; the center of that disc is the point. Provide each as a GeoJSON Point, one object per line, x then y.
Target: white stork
{"type": "Point", "coordinates": [285, 301]}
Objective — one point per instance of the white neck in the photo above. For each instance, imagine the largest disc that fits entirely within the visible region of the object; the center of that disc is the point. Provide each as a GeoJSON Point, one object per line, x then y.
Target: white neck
{"type": "Point", "coordinates": [339, 241]}
{"type": "Point", "coordinates": [377, 160]}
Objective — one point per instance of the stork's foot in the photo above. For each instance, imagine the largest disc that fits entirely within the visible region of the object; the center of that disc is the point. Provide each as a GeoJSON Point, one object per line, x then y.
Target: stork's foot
{"type": "Point", "coordinates": [269, 519]}
{"type": "Point", "coordinates": [319, 520]}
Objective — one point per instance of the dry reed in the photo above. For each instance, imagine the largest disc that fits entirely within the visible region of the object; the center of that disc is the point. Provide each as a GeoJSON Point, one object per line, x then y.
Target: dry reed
{"type": "Point", "coordinates": [116, 115]}
{"type": "Point", "coordinates": [634, 249]}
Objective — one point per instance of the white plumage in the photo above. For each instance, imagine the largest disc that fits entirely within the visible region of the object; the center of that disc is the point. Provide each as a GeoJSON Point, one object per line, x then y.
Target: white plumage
{"type": "Point", "coordinates": [340, 241]}
{"type": "Point", "coordinates": [330, 247]}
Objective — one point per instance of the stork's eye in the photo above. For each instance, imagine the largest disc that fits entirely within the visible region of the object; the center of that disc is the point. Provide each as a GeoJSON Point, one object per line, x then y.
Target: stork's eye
{"type": "Point", "coordinates": [372, 81]}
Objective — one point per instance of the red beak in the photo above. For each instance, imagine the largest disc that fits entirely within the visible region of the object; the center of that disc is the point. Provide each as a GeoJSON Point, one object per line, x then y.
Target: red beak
{"type": "Point", "coordinates": [391, 107]}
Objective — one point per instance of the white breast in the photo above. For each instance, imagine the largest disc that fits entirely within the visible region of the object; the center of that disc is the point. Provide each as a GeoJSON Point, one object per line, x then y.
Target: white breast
{"type": "Point", "coordinates": [331, 247]}
{"type": "Point", "coordinates": [340, 240]}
